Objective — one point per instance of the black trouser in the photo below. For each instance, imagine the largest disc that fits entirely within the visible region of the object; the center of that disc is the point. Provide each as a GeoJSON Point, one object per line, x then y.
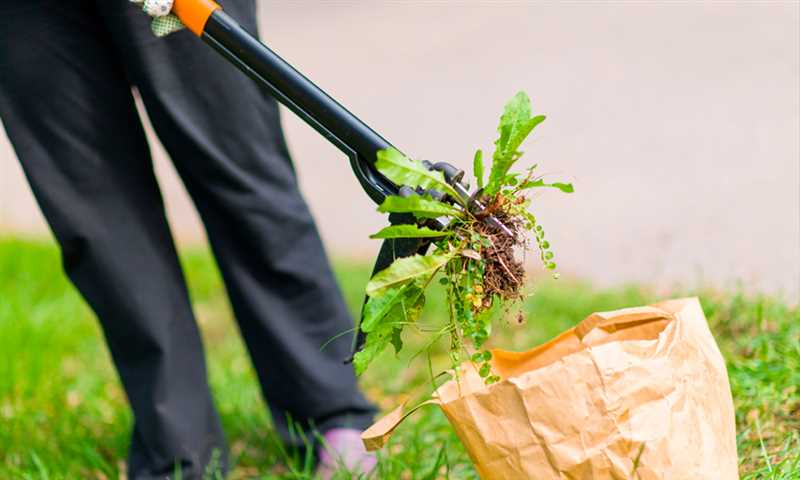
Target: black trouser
{"type": "Point", "coordinates": [66, 71]}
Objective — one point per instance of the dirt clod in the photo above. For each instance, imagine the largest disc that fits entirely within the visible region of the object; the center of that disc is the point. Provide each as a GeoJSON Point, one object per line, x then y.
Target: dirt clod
{"type": "Point", "coordinates": [504, 274]}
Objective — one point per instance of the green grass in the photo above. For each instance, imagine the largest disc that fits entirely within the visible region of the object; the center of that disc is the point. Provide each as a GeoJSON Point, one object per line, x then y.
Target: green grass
{"type": "Point", "coordinates": [64, 415]}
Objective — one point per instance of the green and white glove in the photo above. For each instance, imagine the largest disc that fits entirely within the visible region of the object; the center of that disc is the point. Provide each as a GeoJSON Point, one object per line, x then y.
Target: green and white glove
{"type": "Point", "coordinates": [164, 22]}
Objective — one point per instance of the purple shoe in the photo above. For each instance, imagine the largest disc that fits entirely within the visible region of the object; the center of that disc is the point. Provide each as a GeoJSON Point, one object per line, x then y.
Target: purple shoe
{"type": "Point", "coordinates": [344, 450]}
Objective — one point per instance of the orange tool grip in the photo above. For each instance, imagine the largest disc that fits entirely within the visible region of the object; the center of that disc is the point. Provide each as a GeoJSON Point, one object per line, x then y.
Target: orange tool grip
{"type": "Point", "coordinates": [194, 13]}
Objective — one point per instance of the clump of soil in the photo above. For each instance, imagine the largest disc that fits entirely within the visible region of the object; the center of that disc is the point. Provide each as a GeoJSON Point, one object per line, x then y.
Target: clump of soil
{"type": "Point", "coordinates": [504, 274]}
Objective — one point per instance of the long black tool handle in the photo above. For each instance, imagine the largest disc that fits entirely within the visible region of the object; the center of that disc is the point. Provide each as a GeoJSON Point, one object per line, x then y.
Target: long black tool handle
{"type": "Point", "coordinates": [305, 99]}
{"type": "Point", "coordinates": [361, 144]}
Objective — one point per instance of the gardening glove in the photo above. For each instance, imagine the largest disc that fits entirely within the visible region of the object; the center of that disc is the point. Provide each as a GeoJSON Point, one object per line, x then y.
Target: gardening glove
{"type": "Point", "coordinates": [164, 22]}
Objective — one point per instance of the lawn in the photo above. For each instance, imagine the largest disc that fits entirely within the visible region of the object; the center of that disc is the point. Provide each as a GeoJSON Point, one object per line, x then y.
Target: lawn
{"type": "Point", "coordinates": [64, 415]}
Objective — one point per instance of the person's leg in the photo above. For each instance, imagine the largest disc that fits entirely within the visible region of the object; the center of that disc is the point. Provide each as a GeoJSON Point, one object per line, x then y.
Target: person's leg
{"type": "Point", "coordinates": [224, 136]}
{"type": "Point", "coordinates": [69, 113]}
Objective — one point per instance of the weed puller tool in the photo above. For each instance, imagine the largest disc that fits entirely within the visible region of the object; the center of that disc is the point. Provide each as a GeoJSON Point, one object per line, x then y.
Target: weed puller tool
{"type": "Point", "coordinates": [207, 20]}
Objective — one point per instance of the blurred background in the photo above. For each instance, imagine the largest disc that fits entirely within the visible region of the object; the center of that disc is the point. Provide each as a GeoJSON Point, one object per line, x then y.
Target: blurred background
{"type": "Point", "coordinates": [677, 123]}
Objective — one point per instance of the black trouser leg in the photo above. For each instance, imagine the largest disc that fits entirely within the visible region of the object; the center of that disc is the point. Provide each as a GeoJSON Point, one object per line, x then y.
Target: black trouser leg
{"type": "Point", "coordinates": [225, 139]}
{"type": "Point", "coordinates": [68, 111]}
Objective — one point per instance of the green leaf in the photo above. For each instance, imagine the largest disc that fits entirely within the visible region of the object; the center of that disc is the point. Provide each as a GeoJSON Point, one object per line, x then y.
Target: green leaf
{"type": "Point", "coordinates": [404, 171]}
{"type": "Point", "coordinates": [397, 340]}
{"type": "Point", "coordinates": [564, 187]}
{"type": "Point", "coordinates": [379, 306]}
{"type": "Point", "coordinates": [516, 124]}
{"type": "Point", "coordinates": [477, 168]}
{"type": "Point", "coordinates": [374, 344]}
{"type": "Point", "coordinates": [408, 231]}
{"type": "Point", "coordinates": [409, 309]}
{"type": "Point", "coordinates": [522, 133]}
{"type": "Point", "coordinates": [402, 312]}
{"type": "Point", "coordinates": [399, 303]}
{"type": "Point", "coordinates": [421, 206]}
{"type": "Point", "coordinates": [531, 219]}
{"type": "Point", "coordinates": [511, 179]}
{"type": "Point", "coordinates": [405, 269]}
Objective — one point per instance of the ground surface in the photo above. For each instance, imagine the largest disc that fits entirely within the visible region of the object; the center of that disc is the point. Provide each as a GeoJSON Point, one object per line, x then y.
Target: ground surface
{"type": "Point", "coordinates": [63, 414]}
{"type": "Point", "coordinates": [677, 121]}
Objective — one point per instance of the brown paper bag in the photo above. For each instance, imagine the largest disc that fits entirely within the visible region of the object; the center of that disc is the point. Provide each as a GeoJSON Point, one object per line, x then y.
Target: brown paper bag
{"type": "Point", "coordinates": [638, 393]}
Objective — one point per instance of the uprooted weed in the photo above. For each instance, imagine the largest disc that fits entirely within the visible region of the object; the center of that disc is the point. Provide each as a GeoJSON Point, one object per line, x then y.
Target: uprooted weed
{"type": "Point", "coordinates": [475, 242]}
